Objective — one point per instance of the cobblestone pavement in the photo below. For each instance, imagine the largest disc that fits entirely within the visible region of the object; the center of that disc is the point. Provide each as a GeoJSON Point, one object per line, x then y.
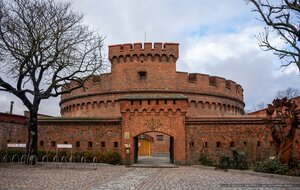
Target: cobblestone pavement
{"type": "Point", "coordinates": [120, 177]}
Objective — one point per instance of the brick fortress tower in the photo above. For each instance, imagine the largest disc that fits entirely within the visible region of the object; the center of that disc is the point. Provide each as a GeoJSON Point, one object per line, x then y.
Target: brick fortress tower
{"type": "Point", "coordinates": [146, 69]}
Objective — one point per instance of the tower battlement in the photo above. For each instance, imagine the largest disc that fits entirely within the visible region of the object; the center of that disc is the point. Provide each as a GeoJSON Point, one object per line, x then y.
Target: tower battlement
{"type": "Point", "coordinates": [143, 52]}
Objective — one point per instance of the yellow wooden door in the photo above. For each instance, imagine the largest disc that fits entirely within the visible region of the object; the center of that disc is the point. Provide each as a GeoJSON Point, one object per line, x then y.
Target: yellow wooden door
{"type": "Point", "coordinates": [144, 147]}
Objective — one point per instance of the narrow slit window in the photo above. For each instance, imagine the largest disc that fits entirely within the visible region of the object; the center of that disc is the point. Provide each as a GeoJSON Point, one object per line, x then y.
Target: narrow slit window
{"type": "Point", "coordinates": [143, 75]}
{"type": "Point", "coordinates": [116, 144]}
{"type": "Point", "coordinates": [41, 143]}
{"type": "Point", "coordinates": [192, 145]}
{"type": "Point", "coordinates": [53, 143]}
{"type": "Point", "coordinates": [258, 144]}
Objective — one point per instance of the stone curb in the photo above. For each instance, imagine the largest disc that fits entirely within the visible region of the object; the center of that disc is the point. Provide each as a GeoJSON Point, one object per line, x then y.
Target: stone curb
{"type": "Point", "coordinates": [151, 166]}
{"type": "Point", "coordinates": [250, 172]}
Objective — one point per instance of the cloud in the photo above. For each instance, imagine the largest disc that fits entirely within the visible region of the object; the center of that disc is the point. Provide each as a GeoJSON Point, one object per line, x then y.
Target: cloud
{"type": "Point", "coordinates": [216, 38]}
{"type": "Point", "coordinates": [166, 20]}
{"type": "Point", "coordinates": [236, 56]}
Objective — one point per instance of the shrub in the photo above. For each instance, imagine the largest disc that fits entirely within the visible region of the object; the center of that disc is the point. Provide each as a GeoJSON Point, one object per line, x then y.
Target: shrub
{"type": "Point", "coordinates": [88, 156]}
{"type": "Point", "coordinates": [51, 155]}
{"type": "Point", "coordinates": [237, 161]}
{"type": "Point", "coordinates": [271, 166]}
{"type": "Point", "coordinates": [205, 160]}
{"type": "Point", "coordinates": [112, 157]}
{"type": "Point", "coordinates": [224, 161]}
{"type": "Point", "coordinates": [40, 154]}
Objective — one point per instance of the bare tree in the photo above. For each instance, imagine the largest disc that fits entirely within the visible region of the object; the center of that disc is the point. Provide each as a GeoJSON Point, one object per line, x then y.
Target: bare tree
{"type": "Point", "coordinates": [289, 93]}
{"type": "Point", "coordinates": [282, 18]}
{"type": "Point", "coordinates": [43, 47]}
{"type": "Point", "coordinates": [258, 106]}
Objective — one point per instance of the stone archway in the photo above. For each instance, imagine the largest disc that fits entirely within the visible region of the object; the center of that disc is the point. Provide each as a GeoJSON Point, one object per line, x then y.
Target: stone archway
{"type": "Point", "coordinates": [165, 115]}
{"type": "Point", "coordinates": [160, 147]}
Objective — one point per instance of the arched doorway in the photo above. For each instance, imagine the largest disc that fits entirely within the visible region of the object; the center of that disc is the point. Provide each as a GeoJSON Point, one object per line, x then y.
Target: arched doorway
{"type": "Point", "coordinates": [153, 147]}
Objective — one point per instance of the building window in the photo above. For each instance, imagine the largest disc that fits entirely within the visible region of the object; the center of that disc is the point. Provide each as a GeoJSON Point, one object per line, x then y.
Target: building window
{"type": "Point", "coordinates": [159, 137]}
{"type": "Point", "coordinates": [142, 75]}
{"type": "Point", "coordinates": [53, 143]}
{"type": "Point", "coordinates": [77, 144]}
{"type": "Point", "coordinates": [90, 144]}
{"type": "Point", "coordinates": [41, 143]}
{"type": "Point", "coordinates": [116, 144]}
{"type": "Point", "coordinates": [192, 145]}
{"type": "Point", "coordinates": [102, 144]}
{"type": "Point", "coordinates": [218, 144]}
{"type": "Point", "coordinates": [192, 77]}
{"type": "Point", "coordinates": [8, 141]}
{"type": "Point", "coordinates": [258, 144]}
{"type": "Point", "coordinates": [66, 142]}
{"type": "Point", "coordinates": [19, 141]}
{"type": "Point", "coordinates": [232, 144]}
{"type": "Point", "coordinates": [205, 145]}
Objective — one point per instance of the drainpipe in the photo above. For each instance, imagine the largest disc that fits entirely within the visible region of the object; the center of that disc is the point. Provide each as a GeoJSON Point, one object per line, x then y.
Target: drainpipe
{"type": "Point", "coordinates": [11, 107]}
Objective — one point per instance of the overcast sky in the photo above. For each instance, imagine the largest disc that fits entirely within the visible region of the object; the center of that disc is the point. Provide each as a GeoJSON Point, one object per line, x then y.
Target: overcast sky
{"type": "Point", "coordinates": [216, 38]}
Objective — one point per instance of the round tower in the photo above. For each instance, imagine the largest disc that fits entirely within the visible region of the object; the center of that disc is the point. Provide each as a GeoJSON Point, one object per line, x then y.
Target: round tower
{"type": "Point", "coordinates": [150, 69]}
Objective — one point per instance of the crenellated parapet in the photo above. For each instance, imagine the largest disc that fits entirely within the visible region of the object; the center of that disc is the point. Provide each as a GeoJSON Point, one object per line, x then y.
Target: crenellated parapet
{"type": "Point", "coordinates": [149, 68]}
{"type": "Point", "coordinates": [140, 52]}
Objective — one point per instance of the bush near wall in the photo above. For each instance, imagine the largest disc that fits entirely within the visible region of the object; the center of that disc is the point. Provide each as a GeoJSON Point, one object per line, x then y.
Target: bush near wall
{"type": "Point", "coordinates": [205, 160]}
{"type": "Point", "coordinates": [271, 166]}
{"type": "Point", "coordinates": [235, 161]}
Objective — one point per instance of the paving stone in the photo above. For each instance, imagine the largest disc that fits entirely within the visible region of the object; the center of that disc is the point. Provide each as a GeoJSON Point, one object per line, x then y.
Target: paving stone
{"type": "Point", "coordinates": [121, 177]}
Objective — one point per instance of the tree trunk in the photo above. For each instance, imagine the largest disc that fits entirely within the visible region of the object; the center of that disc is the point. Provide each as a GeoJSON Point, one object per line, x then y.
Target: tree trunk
{"type": "Point", "coordinates": [32, 135]}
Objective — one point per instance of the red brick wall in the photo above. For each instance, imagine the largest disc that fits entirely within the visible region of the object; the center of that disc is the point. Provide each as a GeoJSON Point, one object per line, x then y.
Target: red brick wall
{"type": "Point", "coordinates": [83, 131]}
{"type": "Point", "coordinates": [13, 129]}
{"type": "Point", "coordinates": [204, 133]}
